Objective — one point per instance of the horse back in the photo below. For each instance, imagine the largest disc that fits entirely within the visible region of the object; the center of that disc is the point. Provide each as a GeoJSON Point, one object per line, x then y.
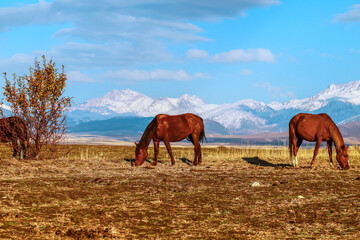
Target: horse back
{"type": "Point", "coordinates": [311, 126]}
{"type": "Point", "coordinates": [178, 127]}
{"type": "Point", "coordinates": [179, 121]}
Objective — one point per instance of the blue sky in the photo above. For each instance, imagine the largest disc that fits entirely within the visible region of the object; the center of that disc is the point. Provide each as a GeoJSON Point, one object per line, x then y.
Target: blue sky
{"type": "Point", "coordinates": [222, 51]}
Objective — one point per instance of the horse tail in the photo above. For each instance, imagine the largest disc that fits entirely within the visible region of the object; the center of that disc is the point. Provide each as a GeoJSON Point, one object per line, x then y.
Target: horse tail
{"type": "Point", "coordinates": [291, 136]}
{"type": "Point", "coordinates": [202, 135]}
{"type": "Point", "coordinates": [290, 144]}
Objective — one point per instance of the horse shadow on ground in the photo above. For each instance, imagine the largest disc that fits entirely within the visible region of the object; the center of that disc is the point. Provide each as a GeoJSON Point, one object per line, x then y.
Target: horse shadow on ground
{"type": "Point", "coordinates": [259, 162]}
{"type": "Point", "coordinates": [132, 161]}
{"type": "Point", "coordinates": [186, 161]}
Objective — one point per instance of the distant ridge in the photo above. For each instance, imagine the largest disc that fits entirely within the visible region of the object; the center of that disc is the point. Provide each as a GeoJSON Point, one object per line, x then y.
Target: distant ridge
{"type": "Point", "coordinates": [247, 116]}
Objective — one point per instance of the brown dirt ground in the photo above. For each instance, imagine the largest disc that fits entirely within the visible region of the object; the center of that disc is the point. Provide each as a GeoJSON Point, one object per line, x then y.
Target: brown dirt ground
{"type": "Point", "coordinates": [94, 193]}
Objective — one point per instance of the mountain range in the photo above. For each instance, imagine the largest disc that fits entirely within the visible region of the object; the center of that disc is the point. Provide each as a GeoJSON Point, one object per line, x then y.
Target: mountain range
{"type": "Point", "coordinates": [126, 112]}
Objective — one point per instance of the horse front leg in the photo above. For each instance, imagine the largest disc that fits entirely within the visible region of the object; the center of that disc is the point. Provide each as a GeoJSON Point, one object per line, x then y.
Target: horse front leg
{"type": "Point", "coordinates": [197, 159]}
{"type": "Point", "coordinates": [167, 144]}
{"type": "Point", "coordinates": [329, 145]}
{"type": "Point", "coordinates": [317, 145]}
{"type": "Point", "coordinates": [156, 152]}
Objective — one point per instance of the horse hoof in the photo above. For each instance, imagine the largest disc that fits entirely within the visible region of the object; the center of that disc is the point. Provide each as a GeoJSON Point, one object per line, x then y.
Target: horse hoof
{"type": "Point", "coordinates": [154, 164]}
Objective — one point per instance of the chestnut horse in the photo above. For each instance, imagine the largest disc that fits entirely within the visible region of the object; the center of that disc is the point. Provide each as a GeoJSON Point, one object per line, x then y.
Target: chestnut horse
{"type": "Point", "coordinates": [14, 130]}
{"type": "Point", "coordinates": [317, 128]}
{"type": "Point", "coordinates": [168, 129]}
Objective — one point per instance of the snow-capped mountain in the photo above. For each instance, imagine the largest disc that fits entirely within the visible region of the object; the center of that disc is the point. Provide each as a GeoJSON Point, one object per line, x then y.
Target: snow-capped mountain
{"type": "Point", "coordinates": [242, 114]}
{"type": "Point", "coordinates": [348, 93]}
{"type": "Point", "coordinates": [127, 101]}
{"type": "Point", "coordinates": [340, 101]}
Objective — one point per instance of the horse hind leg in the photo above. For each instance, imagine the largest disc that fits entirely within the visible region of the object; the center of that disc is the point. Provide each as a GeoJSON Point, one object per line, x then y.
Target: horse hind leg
{"type": "Point", "coordinates": [297, 146]}
{"type": "Point", "coordinates": [197, 150]}
{"type": "Point", "coordinates": [199, 155]}
{"type": "Point", "coordinates": [15, 147]}
{"type": "Point", "coordinates": [293, 149]}
{"type": "Point", "coordinates": [22, 149]}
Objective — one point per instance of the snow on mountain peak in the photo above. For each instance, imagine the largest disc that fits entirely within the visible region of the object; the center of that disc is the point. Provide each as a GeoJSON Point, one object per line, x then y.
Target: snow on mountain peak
{"type": "Point", "coordinates": [252, 104]}
{"type": "Point", "coordinates": [124, 95]}
{"type": "Point", "coordinates": [348, 92]}
{"type": "Point", "coordinates": [248, 115]}
{"type": "Point", "coordinates": [188, 100]}
{"type": "Point", "coordinates": [128, 101]}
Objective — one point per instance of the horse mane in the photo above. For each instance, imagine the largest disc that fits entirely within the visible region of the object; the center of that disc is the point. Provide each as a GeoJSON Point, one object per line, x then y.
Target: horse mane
{"type": "Point", "coordinates": [336, 135]}
{"type": "Point", "coordinates": [148, 133]}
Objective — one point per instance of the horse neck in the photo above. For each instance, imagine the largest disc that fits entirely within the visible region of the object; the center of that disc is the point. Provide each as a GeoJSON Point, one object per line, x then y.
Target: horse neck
{"type": "Point", "coordinates": [148, 134]}
{"type": "Point", "coordinates": [336, 137]}
{"type": "Point", "coordinates": [144, 142]}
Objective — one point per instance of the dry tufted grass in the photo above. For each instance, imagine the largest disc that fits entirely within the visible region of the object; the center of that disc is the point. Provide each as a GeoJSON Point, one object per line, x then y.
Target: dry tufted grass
{"type": "Point", "coordinates": [92, 192]}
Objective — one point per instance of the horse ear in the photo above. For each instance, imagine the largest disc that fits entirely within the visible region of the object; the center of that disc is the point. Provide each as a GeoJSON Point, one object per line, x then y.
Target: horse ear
{"type": "Point", "coordinates": [136, 143]}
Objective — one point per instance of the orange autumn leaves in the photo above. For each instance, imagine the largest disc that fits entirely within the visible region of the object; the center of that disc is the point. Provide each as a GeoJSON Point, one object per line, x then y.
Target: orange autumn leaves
{"type": "Point", "coordinates": [38, 99]}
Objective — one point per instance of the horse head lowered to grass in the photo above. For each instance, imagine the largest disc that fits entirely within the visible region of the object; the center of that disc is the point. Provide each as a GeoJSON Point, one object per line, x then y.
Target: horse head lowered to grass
{"type": "Point", "coordinates": [168, 129]}
{"type": "Point", "coordinates": [317, 128]}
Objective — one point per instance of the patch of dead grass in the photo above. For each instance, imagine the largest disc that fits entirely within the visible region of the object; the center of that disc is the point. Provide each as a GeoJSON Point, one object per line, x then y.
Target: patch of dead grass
{"type": "Point", "coordinates": [93, 192]}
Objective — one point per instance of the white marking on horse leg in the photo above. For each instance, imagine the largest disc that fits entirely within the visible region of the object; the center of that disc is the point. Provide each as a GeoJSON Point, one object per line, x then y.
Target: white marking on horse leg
{"type": "Point", "coordinates": [331, 164]}
{"type": "Point", "coordinates": [296, 162]}
{"type": "Point", "coordinates": [21, 154]}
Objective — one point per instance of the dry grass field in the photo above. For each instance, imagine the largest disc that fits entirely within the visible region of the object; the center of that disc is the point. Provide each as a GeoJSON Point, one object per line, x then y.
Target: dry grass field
{"type": "Point", "coordinates": [92, 192]}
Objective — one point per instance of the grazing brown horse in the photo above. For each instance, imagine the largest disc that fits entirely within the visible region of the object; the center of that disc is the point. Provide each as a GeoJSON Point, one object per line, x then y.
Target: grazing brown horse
{"type": "Point", "coordinates": [317, 128]}
{"type": "Point", "coordinates": [14, 130]}
{"type": "Point", "coordinates": [168, 129]}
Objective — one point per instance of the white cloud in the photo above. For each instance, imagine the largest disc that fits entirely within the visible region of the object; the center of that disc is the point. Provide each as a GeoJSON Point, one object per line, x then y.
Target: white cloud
{"type": "Point", "coordinates": [157, 74]}
{"type": "Point", "coordinates": [120, 33]}
{"type": "Point", "coordinates": [77, 76]}
{"type": "Point", "coordinates": [106, 55]}
{"type": "Point", "coordinates": [196, 54]}
{"type": "Point", "coordinates": [246, 72]}
{"type": "Point", "coordinates": [354, 51]}
{"type": "Point", "coordinates": [351, 16]}
{"type": "Point", "coordinates": [18, 63]}
{"type": "Point", "coordinates": [327, 55]}
{"type": "Point", "coordinates": [240, 55]}
{"type": "Point", "coordinates": [95, 19]}
{"type": "Point", "coordinates": [274, 91]}
{"type": "Point", "coordinates": [234, 56]}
